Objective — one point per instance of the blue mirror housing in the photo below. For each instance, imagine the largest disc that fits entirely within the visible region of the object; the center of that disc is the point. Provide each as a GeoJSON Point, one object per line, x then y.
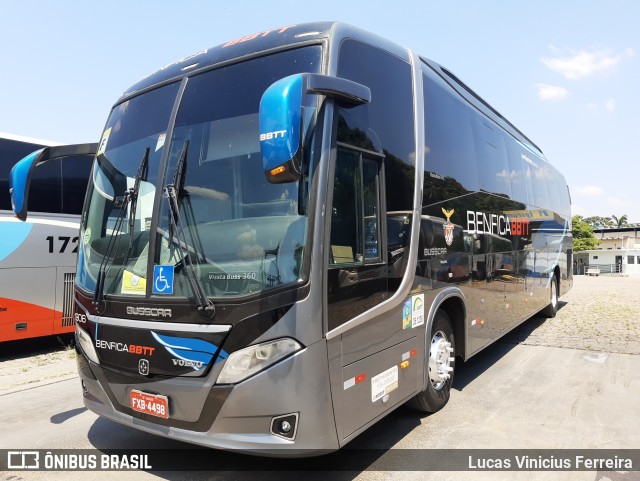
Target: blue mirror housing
{"type": "Point", "coordinates": [282, 119]}
{"type": "Point", "coordinates": [21, 172]}
{"type": "Point", "coordinates": [19, 181]}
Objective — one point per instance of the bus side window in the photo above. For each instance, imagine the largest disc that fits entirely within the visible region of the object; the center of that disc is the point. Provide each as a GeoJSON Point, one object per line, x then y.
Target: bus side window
{"type": "Point", "coordinates": [75, 175]}
{"type": "Point", "coordinates": [46, 188]}
{"type": "Point", "coordinates": [493, 169]}
{"type": "Point", "coordinates": [385, 128]}
{"type": "Point", "coordinates": [355, 218]}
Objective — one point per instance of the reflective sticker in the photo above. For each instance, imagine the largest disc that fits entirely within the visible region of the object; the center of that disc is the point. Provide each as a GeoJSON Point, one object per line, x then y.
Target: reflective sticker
{"type": "Point", "coordinates": [163, 279]}
{"type": "Point", "coordinates": [103, 142]}
{"type": "Point", "coordinates": [413, 352]}
{"type": "Point", "coordinates": [87, 236]}
{"type": "Point", "coordinates": [133, 284]}
{"type": "Point", "coordinates": [161, 139]}
{"type": "Point", "coordinates": [406, 314]}
{"type": "Point", "coordinates": [384, 383]}
{"type": "Point", "coordinates": [417, 312]}
{"type": "Point", "coordinates": [406, 356]}
{"type": "Point", "coordinates": [354, 380]}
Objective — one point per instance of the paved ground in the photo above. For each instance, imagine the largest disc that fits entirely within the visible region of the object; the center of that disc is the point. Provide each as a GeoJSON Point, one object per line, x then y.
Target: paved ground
{"type": "Point", "coordinates": [598, 314]}
{"type": "Point", "coordinates": [34, 362]}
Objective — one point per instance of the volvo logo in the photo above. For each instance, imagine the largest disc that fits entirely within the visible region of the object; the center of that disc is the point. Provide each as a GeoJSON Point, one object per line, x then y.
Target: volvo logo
{"type": "Point", "coordinates": [187, 363]}
{"type": "Point", "coordinates": [143, 367]}
{"type": "Point", "coordinates": [148, 311]}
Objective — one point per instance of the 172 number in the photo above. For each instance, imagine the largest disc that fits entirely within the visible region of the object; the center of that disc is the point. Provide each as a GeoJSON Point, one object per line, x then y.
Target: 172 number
{"type": "Point", "coordinates": [63, 242]}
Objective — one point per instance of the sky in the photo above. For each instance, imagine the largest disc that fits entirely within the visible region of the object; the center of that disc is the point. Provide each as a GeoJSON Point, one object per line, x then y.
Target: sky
{"type": "Point", "coordinates": [566, 73]}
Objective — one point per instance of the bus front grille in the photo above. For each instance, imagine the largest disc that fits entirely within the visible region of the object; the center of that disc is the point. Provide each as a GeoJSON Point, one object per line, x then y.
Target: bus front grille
{"type": "Point", "coordinates": [67, 300]}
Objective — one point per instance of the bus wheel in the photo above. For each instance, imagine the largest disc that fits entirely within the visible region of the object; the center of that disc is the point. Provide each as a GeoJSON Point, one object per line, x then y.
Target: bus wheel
{"type": "Point", "coordinates": [552, 308]}
{"type": "Point", "coordinates": [440, 365]}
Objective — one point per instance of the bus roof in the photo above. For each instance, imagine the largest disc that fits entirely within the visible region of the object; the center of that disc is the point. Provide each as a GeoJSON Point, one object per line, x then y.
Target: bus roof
{"type": "Point", "coordinates": [27, 140]}
{"type": "Point", "coordinates": [259, 42]}
{"type": "Point", "coordinates": [304, 34]}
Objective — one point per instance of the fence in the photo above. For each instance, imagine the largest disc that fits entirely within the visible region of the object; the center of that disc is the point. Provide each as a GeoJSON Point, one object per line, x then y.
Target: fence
{"type": "Point", "coordinates": [597, 269]}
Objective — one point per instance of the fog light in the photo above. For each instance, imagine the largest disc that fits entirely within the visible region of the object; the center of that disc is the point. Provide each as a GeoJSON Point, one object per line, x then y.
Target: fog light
{"type": "Point", "coordinates": [285, 426]}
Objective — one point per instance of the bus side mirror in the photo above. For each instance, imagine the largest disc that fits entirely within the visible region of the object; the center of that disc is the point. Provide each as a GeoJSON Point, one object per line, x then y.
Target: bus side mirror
{"type": "Point", "coordinates": [282, 119]}
{"type": "Point", "coordinates": [20, 176]}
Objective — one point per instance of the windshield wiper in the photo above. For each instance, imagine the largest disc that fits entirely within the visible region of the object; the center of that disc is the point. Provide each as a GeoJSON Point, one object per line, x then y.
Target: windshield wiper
{"type": "Point", "coordinates": [129, 197]}
{"type": "Point", "coordinates": [172, 192]}
{"type": "Point", "coordinates": [143, 171]}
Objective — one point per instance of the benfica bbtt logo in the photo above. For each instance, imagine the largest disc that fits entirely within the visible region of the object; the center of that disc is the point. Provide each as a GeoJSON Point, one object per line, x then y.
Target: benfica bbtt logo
{"type": "Point", "coordinates": [448, 226]}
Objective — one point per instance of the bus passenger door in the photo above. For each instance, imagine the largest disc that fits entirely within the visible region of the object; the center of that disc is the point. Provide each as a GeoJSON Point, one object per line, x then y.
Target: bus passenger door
{"type": "Point", "coordinates": [357, 277]}
{"type": "Point", "coordinates": [373, 369]}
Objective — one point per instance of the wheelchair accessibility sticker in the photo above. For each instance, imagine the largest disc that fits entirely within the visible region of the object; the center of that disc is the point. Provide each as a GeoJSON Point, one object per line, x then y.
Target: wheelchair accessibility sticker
{"type": "Point", "coordinates": [163, 279]}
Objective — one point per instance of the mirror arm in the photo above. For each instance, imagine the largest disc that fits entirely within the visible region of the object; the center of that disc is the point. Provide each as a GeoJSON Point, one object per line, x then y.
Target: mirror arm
{"type": "Point", "coordinates": [41, 156]}
{"type": "Point", "coordinates": [60, 151]}
{"type": "Point", "coordinates": [347, 92]}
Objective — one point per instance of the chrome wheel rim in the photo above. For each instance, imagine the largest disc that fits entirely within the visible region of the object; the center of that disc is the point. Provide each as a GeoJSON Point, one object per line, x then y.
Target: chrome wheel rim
{"type": "Point", "coordinates": [440, 360]}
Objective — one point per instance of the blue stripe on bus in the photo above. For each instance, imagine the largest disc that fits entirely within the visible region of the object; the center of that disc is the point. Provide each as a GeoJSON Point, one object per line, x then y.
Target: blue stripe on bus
{"type": "Point", "coordinates": [12, 235]}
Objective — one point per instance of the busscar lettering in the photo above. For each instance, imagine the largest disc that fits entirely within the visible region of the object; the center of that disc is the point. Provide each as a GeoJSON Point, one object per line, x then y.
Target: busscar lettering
{"type": "Point", "coordinates": [148, 311]}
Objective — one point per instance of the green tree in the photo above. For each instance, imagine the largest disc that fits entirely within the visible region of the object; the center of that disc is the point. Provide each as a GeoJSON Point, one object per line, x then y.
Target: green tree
{"type": "Point", "coordinates": [621, 221]}
{"type": "Point", "coordinates": [583, 238]}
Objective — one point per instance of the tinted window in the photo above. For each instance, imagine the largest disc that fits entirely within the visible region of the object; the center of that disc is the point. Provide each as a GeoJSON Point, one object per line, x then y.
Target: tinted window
{"type": "Point", "coordinates": [520, 188]}
{"type": "Point", "coordinates": [45, 193]}
{"type": "Point", "coordinates": [75, 175]}
{"type": "Point", "coordinates": [450, 152]}
{"type": "Point", "coordinates": [355, 238]}
{"type": "Point", "coordinates": [493, 169]}
{"type": "Point", "coordinates": [346, 215]}
{"type": "Point", "coordinates": [386, 123]}
{"type": "Point", "coordinates": [537, 175]}
{"type": "Point", "coordinates": [554, 199]}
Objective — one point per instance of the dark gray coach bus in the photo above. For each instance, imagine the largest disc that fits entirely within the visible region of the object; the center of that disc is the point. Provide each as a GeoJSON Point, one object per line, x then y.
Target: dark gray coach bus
{"type": "Point", "coordinates": [290, 235]}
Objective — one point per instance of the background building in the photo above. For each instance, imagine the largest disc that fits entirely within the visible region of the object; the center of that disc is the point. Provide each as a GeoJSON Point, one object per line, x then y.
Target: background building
{"type": "Point", "coordinates": [619, 252]}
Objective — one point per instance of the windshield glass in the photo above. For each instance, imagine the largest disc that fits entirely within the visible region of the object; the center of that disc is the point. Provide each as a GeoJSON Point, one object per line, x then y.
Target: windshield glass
{"type": "Point", "coordinates": [243, 234]}
{"type": "Point", "coordinates": [133, 126]}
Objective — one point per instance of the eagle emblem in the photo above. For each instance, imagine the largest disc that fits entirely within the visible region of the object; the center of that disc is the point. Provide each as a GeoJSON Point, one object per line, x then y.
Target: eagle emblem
{"type": "Point", "coordinates": [448, 226]}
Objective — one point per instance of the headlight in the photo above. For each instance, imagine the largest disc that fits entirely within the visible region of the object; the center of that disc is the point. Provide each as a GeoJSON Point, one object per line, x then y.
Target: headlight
{"type": "Point", "coordinates": [248, 361]}
{"type": "Point", "coordinates": [87, 345]}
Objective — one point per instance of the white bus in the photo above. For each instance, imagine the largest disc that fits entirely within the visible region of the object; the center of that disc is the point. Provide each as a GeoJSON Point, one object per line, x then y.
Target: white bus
{"type": "Point", "coordinates": [38, 257]}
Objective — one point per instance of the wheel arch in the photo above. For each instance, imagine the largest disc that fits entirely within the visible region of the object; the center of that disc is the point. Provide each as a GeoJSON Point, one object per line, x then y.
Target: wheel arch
{"type": "Point", "coordinates": [452, 301]}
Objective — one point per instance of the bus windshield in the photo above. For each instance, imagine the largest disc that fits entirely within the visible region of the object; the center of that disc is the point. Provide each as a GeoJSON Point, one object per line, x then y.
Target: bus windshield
{"type": "Point", "coordinates": [237, 233]}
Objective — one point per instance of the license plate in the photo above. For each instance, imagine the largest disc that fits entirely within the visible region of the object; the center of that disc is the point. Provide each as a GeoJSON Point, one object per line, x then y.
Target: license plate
{"type": "Point", "coordinates": [152, 404]}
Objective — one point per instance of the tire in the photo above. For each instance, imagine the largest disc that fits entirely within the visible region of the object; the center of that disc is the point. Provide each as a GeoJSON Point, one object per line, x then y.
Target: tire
{"type": "Point", "coordinates": [439, 366]}
{"type": "Point", "coordinates": [552, 308]}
